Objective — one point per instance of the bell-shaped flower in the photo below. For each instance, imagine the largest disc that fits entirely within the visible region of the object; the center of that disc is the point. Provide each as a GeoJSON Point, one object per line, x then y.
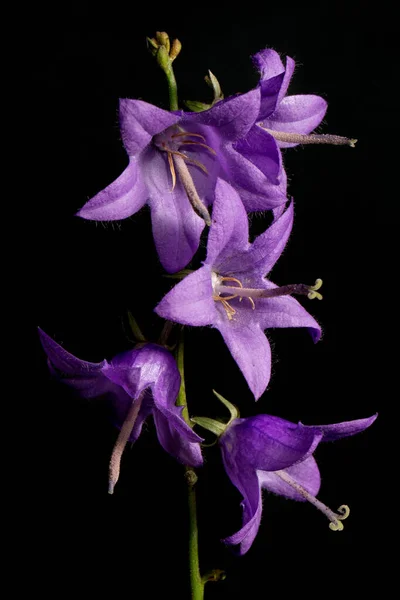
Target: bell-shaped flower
{"type": "Point", "coordinates": [140, 382]}
{"type": "Point", "coordinates": [174, 161]}
{"type": "Point", "coordinates": [266, 452]}
{"type": "Point", "coordinates": [230, 291]}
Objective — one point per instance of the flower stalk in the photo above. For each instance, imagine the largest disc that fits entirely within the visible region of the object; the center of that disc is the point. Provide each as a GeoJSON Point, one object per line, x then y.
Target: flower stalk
{"type": "Point", "coordinates": [196, 582]}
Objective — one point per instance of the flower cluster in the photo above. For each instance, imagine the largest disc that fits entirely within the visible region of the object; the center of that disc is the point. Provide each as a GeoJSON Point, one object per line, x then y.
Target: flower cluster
{"type": "Point", "coordinates": [210, 168]}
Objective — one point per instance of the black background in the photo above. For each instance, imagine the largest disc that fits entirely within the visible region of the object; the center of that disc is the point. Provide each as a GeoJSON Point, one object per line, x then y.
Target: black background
{"type": "Point", "coordinates": [82, 277]}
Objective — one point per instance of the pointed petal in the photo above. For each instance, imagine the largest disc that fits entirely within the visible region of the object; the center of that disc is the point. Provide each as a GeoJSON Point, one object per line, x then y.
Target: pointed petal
{"type": "Point", "coordinates": [341, 430]}
{"type": "Point", "coordinates": [176, 227]}
{"type": "Point", "coordinates": [305, 473]}
{"type": "Point", "coordinates": [267, 247]}
{"type": "Point", "coordinates": [140, 121]}
{"type": "Point", "coordinates": [275, 79]}
{"type": "Point", "coordinates": [191, 301]}
{"type": "Point", "coordinates": [269, 63]}
{"type": "Point", "coordinates": [284, 311]}
{"type": "Point", "coordinates": [256, 191]}
{"type": "Point", "coordinates": [232, 117]}
{"type": "Point", "coordinates": [121, 199]}
{"type": "Point", "coordinates": [250, 349]}
{"type": "Point", "coordinates": [269, 443]}
{"type": "Point", "coordinates": [261, 149]}
{"type": "Point", "coordinates": [246, 481]}
{"type": "Point", "coordinates": [85, 377]}
{"type": "Point", "coordinates": [229, 232]}
{"type": "Point", "coordinates": [297, 114]}
{"type": "Point", "coordinates": [176, 437]}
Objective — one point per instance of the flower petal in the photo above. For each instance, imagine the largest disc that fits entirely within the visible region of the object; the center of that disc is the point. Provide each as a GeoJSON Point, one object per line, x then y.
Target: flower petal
{"type": "Point", "coordinates": [275, 79]}
{"type": "Point", "coordinates": [232, 117]}
{"type": "Point", "coordinates": [85, 377]}
{"type": "Point", "coordinates": [119, 200]}
{"type": "Point", "coordinates": [270, 443]}
{"type": "Point", "coordinates": [250, 349]}
{"type": "Point", "coordinates": [267, 247]}
{"type": "Point", "coordinates": [261, 149]}
{"type": "Point", "coordinates": [229, 232]}
{"type": "Point", "coordinates": [341, 430]}
{"type": "Point", "coordinates": [140, 121]}
{"type": "Point", "coordinates": [256, 191]}
{"type": "Point", "coordinates": [297, 114]}
{"type": "Point", "coordinates": [176, 227]}
{"type": "Point", "coordinates": [177, 438]}
{"type": "Point", "coordinates": [284, 311]}
{"type": "Point", "coordinates": [305, 473]}
{"type": "Point", "coordinates": [191, 301]}
{"type": "Point", "coordinates": [246, 481]}
{"type": "Point", "coordinates": [269, 63]}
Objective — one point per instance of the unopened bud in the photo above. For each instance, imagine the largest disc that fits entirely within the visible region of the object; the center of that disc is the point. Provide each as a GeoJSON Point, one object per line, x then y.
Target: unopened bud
{"type": "Point", "coordinates": [175, 49]}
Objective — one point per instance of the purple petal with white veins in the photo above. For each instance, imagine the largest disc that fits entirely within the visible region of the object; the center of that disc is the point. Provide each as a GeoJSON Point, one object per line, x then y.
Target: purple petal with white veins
{"type": "Point", "coordinates": [305, 473]}
{"type": "Point", "coordinates": [119, 200]}
{"type": "Point", "coordinates": [256, 190]}
{"type": "Point", "coordinates": [297, 114]}
{"type": "Point", "coordinates": [233, 117]}
{"type": "Point", "coordinates": [140, 121]}
{"type": "Point", "coordinates": [261, 149]}
{"type": "Point", "coordinates": [229, 232]}
{"type": "Point", "coordinates": [250, 349]}
{"type": "Point", "coordinates": [341, 430]}
{"type": "Point", "coordinates": [191, 301]}
{"type": "Point", "coordinates": [176, 227]}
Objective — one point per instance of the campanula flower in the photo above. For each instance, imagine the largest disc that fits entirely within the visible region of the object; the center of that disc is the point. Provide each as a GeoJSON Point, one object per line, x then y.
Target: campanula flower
{"type": "Point", "coordinates": [140, 382]}
{"type": "Point", "coordinates": [230, 291]}
{"type": "Point", "coordinates": [266, 452]}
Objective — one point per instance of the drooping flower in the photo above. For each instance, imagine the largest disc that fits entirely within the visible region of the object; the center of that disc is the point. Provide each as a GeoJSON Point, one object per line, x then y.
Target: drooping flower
{"type": "Point", "coordinates": [266, 452]}
{"type": "Point", "coordinates": [230, 291]}
{"type": "Point", "coordinates": [139, 382]}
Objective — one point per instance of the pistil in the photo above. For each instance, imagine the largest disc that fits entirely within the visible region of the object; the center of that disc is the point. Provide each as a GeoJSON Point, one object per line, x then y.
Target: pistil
{"type": "Point", "coordinates": [122, 439]}
{"type": "Point", "coordinates": [335, 518]}
{"type": "Point", "coordinates": [314, 138]}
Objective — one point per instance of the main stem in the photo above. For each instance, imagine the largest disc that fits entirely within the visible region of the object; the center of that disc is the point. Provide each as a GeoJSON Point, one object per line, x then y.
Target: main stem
{"type": "Point", "coordinates": [196, 583]}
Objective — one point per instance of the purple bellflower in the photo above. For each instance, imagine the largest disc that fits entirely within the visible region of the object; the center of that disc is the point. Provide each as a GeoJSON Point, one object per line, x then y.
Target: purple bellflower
{"type": "Point", "coordinates": [289, 119]}
{"type": "Point", "coordinates": [174, 161]}
{"type": "Point", "coordinates": [277, 455]}
{"type": "Point", "coordinates": [140, 382]}
{"type": "Point", "coordinates": [230, 291]}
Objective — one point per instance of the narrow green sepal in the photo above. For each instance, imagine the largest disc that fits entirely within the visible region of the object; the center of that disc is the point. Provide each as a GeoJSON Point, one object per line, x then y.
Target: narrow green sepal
{"type": "Point", "coordinates": [212, 425]}
{"type": "Point", "coordinates": [231, 407]}
{"type": "Point", "coordinates": [196, 106]}
{"type": "Point", "coordinates": [180, 275]}
{"type": "Point", "coordinates": [137, 333]}
{"type": "Point", "coordinates": [213, 82]}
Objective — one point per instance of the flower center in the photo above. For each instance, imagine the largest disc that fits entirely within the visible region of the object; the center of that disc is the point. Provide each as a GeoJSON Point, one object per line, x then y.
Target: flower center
{"type": "Point", "coordinates": [224, 293]}
{"type": "Point", "coordinates": [172, 141]}
{"type": "Point", "coordinates": [335, 518]}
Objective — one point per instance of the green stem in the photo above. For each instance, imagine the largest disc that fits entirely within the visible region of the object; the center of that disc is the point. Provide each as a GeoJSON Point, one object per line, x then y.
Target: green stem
{"type": "Point", "coordinates": [196, 582]}
{"type": "Point", "coordinates": [172, 89]}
